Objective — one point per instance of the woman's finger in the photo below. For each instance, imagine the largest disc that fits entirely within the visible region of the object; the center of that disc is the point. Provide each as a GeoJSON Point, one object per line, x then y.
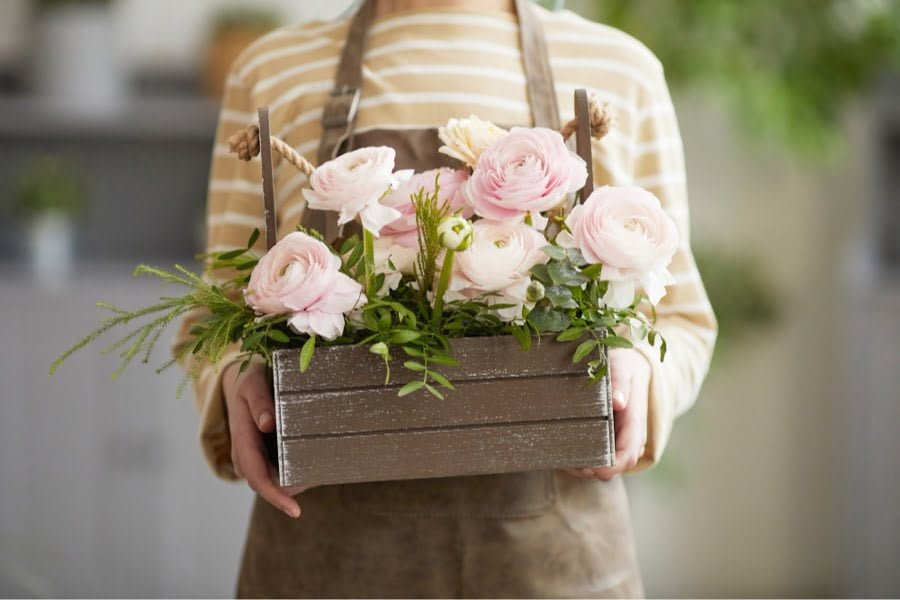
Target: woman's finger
{"type": "Point", "coordinates": [619, 382]}
{"type": "Point", "coordinates": [247, 445]}
{"type": "Point", "coordinates": [255, 391]}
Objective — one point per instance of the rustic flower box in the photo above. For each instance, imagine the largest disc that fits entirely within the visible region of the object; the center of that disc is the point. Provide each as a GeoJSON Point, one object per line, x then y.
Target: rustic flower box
{"type": "Point", "coordinates": [511, 411]}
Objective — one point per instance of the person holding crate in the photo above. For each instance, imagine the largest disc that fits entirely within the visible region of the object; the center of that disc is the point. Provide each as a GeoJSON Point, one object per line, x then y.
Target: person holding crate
{"type": "Point", "coordinates": [398, 68]}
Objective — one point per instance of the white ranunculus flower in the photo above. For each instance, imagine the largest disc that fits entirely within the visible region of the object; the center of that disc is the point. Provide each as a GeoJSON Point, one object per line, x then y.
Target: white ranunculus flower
{"type": "Point", "coordinates": [455, 233]}
{"type": "Point", "coordinates": [394, 260]}
{"type": "Point", "coordinates": [627, 231]}
{"type": "Point", "coordinates": [352, 185]}
{"type": "Point", "coordinates": [466, 139]}
{"type": "Point", "coordinates": [498, 262]}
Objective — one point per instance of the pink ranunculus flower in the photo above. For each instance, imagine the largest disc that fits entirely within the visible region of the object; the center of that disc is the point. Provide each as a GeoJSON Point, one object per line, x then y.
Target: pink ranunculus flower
{"type": "Point", "coordinates": [498, 261]}
{"type": "Point", "coordinates": [627, 231]}
{"type": "Point", "coordinates": [352, 185]}
{"type": "Point", "coordinates": [450, 182]}
{"type": "Point", "coordinates": [528, 171]}
{"type": "Point", "coordinates": [300, 276]}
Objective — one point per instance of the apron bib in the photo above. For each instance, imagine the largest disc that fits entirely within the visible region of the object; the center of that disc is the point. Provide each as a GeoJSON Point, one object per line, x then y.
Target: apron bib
{"type": "Point", "coordinates": [529, 534]}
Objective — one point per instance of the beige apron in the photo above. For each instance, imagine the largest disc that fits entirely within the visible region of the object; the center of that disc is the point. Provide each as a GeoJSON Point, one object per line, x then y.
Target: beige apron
{"type": "Point", "coordinates": [533, 534]}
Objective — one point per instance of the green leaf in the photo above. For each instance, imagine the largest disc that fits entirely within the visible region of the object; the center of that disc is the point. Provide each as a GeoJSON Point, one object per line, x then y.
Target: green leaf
{"type": "Point", "coordinates": [662, 349]}
{"type": "Point", "coordinates": [231, 254]}
{"type": "Point", "coordinates": [442, 359]}
{"type": "Point", "coordinates": [575, 257]}
{"type": "Point", "coordinates": [404, 336]}
{"type": "Point", "coordinates": [592, 271]}
{"type": "Point", "coordinates": [571, 334]}
{"type": "Point", "coordinates": [560, 297]}
{"type": "Point", "coordinates": [279, 336]}
{"type": "Point", "coordinates": [434, 391]}
{"type": "Point", "coordinates": [253, 237]}
{"type": "Point", "coordinates": [438, 377]}
{"type": "Point", "coordinates": [379, 348]}
{"type": "Point", "coordinates": [306, 353]}
{"type": "Point", "coordinates": [348, 244]}
{"type": "Point", "coordinates": [565, 274]}
{"type": "Point", "coordinates": [246, 265]}
{"type": "Point", "coordinates": [413, 351]}
{"type": "Point", "coordinates": [540, 272]}
{"type": "Point", "coordinates": [616, 341]}
{"type": "Point", "coordinates": [583, 349]}
{"type": "Point", "coordinates": [523, 336]}
{"type": "Point", "coordinates": [554, 252]}
{"type": "Point", "coordinates": [543, 318]}
{"type": "Point", "coordinates": [415, 366]}
{"type": "Point", "coordinates": [411, 387]}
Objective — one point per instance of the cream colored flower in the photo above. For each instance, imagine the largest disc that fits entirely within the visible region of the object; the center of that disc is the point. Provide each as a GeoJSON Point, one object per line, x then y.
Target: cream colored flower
{"type": "Point", "coordinates": [466, 139]}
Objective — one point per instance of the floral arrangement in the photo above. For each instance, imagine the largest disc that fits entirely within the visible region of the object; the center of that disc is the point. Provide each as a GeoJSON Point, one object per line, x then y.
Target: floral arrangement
{"type": "Point", "coordinates": [498, 246]}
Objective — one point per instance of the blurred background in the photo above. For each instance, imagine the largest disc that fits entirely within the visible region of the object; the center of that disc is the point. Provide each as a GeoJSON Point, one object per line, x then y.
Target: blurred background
{"type": "Point", "coordinates": [784, 480]}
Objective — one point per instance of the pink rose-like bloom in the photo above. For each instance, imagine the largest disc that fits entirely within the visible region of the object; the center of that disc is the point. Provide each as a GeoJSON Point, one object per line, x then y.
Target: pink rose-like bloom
{"type": "Point", "coordinates": [627, 231]}
{"type": "Point", "coordinates": [498, 261]}
{"type": "Point", "coordinates": [352, 185]}
{"type": "Point", "coordinates": [300, 276]}
{"type": "Point", "coordinates": [450, 181]}
{"type": "Point", "coordinates": [528, 171]}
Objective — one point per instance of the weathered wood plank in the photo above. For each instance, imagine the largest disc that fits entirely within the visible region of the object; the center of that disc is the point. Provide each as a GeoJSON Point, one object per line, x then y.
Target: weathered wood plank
{"type": "Point", "coordinates": [379, 408]}
{"type": "Point", "coordinates": [338, 367]}
{"type": "Point", "coordinates": [445, 452]}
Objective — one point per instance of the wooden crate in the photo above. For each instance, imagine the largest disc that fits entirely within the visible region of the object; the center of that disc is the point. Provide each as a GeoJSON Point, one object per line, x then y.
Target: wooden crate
{"type": "Point", "coordinates": [511, 411]}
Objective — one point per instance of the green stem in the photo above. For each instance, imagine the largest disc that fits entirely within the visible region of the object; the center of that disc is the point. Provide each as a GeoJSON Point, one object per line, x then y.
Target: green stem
{"type": "Point", "coordinates": [369, 259]}
{"type": "Point", "coordinates": [443, 283]}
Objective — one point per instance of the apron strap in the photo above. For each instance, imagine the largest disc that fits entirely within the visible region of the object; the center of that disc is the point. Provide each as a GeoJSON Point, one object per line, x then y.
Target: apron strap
{"type": "Point", "coordinates": [339, 115]}
{"type": "Point", "coordinates": [536, 60]}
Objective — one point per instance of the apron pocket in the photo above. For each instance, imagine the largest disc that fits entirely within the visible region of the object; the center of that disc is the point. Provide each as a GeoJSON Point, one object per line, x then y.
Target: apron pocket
{"type": "Point", "coordinates": [500, 496]}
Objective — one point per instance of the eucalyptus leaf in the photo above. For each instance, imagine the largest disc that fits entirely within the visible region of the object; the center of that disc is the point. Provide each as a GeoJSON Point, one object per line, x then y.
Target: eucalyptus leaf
{"type": "Point", "coordinates": [554, 252]}
{"type": "Point", "coordinates": [544, 318]}
{"type": "Point", "coordinates": [560, 297]}
{"type": "Point", "coordinates": [540, 272]}
{"type": "Point", "coordinates": [565, 274]}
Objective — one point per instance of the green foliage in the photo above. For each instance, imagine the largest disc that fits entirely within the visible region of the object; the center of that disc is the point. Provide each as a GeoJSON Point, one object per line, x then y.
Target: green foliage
{"type": "Point", "coordinates": [787, 69]}
{"type": "Point", "coordinates": [742, 296]}
{"type": "Point", "coordinates": [400, 327]}
{"type": "Point", "coordinates": [572, 308]}
{"type": "Point", "coordinates": [49, 184]}
{"type": "Point", "coordinates": [429, 214]}
{"type": "Point", "coordinates": [245, 18]}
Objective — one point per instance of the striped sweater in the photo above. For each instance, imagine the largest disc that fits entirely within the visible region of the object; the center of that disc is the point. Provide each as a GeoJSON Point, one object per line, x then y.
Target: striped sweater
{"type": "Point", "coordinates": [420, 69]}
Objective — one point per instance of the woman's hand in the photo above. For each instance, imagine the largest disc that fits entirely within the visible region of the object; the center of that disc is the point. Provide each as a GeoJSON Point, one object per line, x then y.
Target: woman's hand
{"type": "Point", "coordinates": [630, 385]}
{"type": "Point", "coordinates": [251, 412]}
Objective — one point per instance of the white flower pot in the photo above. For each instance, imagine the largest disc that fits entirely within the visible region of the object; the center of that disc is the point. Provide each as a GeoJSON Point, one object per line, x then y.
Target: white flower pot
{"type": "Point", "coordinates": [51, 248]}
{"type": "Point", "coordinates": [76, 63]}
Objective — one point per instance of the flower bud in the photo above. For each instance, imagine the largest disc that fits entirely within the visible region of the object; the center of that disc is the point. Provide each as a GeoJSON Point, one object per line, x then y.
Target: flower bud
{"type": "Point", "coordinates": [455, 233]}
{"type": "Point", "coordinates": [535, 291]}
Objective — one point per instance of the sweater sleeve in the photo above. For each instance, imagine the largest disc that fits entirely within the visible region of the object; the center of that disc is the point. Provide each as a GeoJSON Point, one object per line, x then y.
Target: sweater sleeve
{"type": "Point", "coordinates": [684, 316]}
{"type": "Point", "coordinates": [234, 210]}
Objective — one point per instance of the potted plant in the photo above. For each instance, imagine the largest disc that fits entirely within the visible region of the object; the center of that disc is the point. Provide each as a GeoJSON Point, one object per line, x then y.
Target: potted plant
{"type": "Point", "coordinates": [75, 63]}
{"type": "Point", "coordinates": [48, 195]}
